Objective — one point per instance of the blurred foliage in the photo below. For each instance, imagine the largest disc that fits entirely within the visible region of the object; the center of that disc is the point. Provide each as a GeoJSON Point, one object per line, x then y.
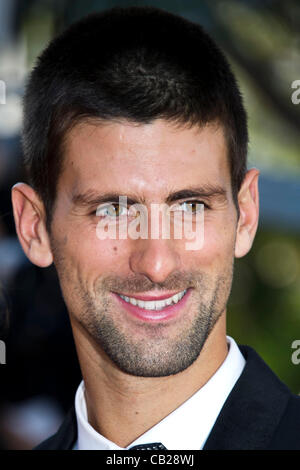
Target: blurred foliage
{"type": "Point", "coordinates": [264, 306]}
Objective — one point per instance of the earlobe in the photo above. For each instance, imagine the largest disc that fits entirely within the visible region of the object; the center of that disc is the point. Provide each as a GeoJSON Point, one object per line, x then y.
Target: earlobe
{"type": "Point", "coordinates": [30, 225]}
{"type": "Point", "coordinates": [248, 199]}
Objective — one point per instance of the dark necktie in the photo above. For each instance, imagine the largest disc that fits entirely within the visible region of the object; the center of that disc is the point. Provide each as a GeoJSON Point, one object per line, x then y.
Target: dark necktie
{"type": "Point", "coordinates": [151, 446]}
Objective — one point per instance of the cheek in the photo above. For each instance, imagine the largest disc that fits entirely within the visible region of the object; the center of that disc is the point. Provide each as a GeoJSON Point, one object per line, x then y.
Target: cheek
{"type": "Point", "coordinates": [218, 246]}
{"type": "Point", "coordinates": [82, 261]}
{"type": "Point", "coordinates": [96, 257]}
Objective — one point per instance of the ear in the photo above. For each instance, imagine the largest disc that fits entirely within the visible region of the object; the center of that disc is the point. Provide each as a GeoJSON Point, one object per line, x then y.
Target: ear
{"type": "Point", "coordinates": [248, 199]}
{"type": "Point", "coordinates": [29, 215]}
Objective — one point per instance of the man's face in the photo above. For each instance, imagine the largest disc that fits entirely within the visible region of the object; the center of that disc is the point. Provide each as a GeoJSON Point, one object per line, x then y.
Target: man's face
{"type": "Point", "coordinates": [146, 163]}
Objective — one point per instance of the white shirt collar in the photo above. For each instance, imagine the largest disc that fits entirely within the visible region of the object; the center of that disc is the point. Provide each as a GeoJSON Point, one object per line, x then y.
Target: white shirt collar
{"type": "Point", "coordinates": [188, 426]}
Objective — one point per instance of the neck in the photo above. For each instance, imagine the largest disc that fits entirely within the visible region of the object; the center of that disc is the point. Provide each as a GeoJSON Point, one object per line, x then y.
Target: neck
{"type": "Point", "coordinates": [122, 407]}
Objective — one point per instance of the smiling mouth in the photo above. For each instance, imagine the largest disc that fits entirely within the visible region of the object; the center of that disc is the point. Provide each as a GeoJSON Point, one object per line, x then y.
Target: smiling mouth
{"type": "Point", "coordinates": [153, 308]}
{"type": "Point", "coordinates": [154, 304]}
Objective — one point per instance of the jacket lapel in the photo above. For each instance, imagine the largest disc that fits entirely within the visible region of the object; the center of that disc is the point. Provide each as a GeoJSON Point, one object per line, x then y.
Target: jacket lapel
{"type": "Point", "coordinates": [252, 411]}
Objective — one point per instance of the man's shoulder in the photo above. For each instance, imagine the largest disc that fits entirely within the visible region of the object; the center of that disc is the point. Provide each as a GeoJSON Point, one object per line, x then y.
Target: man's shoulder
{"type": "Point", "coordinates": [283, 402]}
{"type": "Point", "coordinates": [65, 437]}
{"type": "Point", "coordinates": [287, 436]}
{"type": "Point", "coordinates": [259, 413]}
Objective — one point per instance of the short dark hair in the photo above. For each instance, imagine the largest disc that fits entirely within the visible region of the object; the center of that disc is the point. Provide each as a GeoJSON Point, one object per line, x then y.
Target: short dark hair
{"type": "Point", "coordinates": [136, 64]}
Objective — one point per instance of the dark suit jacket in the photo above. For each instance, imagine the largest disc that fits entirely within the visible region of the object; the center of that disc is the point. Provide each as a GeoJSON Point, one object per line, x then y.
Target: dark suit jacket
{"type": "Point", "coordinates": [260, 413]}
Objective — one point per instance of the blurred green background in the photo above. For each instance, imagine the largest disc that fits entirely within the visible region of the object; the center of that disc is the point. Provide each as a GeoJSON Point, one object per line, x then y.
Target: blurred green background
{"type": "Point", "coordinates": [262, 42]}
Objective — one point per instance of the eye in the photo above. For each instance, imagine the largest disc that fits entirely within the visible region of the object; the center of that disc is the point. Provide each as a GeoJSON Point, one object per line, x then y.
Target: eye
{"type": "Point", "coordinates": [191, 207]}
{"type": "Point", "coordinates": [112, 210]}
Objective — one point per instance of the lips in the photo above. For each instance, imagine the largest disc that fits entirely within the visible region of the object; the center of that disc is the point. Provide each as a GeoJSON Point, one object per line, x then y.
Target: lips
{"type": "Point", "coordinates": [151, 296]}
{"type": "Point", "coordinates": [154, 310]}
{"type": "Point", "coordinates": [156, 303]}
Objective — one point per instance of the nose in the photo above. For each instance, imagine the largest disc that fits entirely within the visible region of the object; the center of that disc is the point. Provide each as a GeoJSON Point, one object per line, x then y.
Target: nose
{"type": "Point", "coordinates": [155, 258]}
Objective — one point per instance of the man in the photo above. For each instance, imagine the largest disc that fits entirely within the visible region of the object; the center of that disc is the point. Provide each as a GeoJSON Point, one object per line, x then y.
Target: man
{"type": "Point", "coordinates": [139, 105]}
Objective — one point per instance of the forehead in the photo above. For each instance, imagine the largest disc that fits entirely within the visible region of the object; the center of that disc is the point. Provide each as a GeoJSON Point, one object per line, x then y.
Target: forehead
{"type": "Point", "coordinates": [146, 158]}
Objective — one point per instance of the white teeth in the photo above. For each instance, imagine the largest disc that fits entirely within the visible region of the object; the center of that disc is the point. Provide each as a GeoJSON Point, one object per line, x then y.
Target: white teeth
{"type": "Point", "coordinates": [150, 305]}
{"type": "Point", "coordinates": [154, 304]}
{"type": "Point", "coordinates": [159, 304]}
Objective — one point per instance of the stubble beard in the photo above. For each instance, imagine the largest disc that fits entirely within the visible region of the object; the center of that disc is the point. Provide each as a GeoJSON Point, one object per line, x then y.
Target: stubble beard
{"type": "Point", "coordinates": [156, 355]}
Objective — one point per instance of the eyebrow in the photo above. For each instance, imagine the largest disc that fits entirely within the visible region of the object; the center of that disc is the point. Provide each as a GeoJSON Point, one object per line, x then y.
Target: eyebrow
{"type": "Point", "coordinates": [208, 191]}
